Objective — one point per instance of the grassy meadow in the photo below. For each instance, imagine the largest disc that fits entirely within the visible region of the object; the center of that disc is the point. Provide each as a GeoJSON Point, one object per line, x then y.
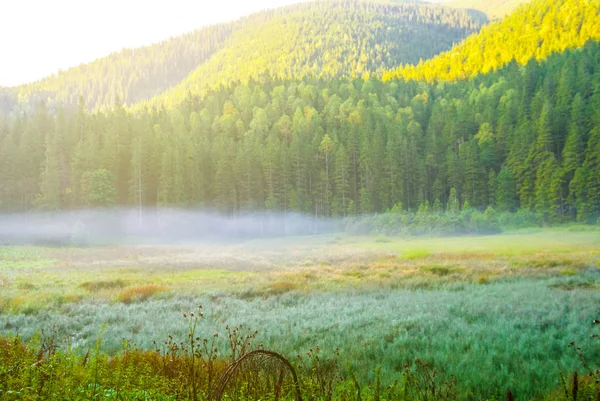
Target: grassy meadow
{"type": "Point", "coordinates": [493, 312]}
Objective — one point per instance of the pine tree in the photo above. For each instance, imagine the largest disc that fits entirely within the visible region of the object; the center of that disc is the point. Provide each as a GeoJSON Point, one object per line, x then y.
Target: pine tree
{"type": "Point", "coordinates": [506, 192]}
{"type": "Point", "coordinates": [492, 188]}
{"type": "Point", "coordinates": [573, 152]}
{"type": "Point", "coordinates": [99, 189]}
{"type": "Point", "coordinates": [50, 185]}
{"type": "Point", "coordinates": [342, 182]}
{"type": "Point", "coordinates": [326, 149]}
{"type": "Point", "coordinates": [544, 200]}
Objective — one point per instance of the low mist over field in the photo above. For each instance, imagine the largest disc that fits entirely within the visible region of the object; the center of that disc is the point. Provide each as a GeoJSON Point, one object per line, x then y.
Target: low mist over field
{"type": "Point", "coordinates": [157, 226]}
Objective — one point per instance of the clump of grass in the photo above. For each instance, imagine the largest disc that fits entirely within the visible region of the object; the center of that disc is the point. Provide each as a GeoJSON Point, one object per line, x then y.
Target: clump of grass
{"type": "Point", "coordinates": [27, 304]}
{"type": "Point", "coordinates": [382, 239]}
{"type": "Point", "coordinates": [140, 293]}
{"type": "Point", "coordinates": [463, 256]}
{"type": "Point", "coordinates": [415, 254]}
{"type": "Point", "coordinates": [281, 287]}
{"type": "Point", "coordinates": [568, 272]}
{"type": "Point", "coordinates": [95, 286]}
{"type": "Point", "coordinates": [27, 286]}
{"type": "Point", "coordinates": [548, 263]}
{"type": "Point", "coordinates": [575, 285]}
{"type": "Point", "coordinates": [439, 270]}
{"type": "Point", "coordinates": [354, 273]}
{"type": "Point", "coordinates": [69, 298]}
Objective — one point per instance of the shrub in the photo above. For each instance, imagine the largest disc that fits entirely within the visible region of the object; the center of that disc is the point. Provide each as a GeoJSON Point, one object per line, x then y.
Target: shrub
{"type": "Point", "coordinates": [568, 272]}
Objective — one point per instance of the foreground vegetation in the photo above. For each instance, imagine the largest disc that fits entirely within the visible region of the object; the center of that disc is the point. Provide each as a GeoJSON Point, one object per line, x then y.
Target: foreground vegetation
{"type": "Point", "coordinates": [193, 368]}
{"type": "Point", "coordinates": [493, 312]}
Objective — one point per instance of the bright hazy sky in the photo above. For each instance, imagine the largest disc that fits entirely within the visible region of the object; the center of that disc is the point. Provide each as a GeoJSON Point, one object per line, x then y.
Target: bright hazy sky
{"type": "Point", "coordinates": [39, 37]}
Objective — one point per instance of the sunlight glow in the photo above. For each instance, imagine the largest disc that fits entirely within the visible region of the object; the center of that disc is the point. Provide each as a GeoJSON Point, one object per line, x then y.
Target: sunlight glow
{"type": "Point", "coordinates": [39, 37]}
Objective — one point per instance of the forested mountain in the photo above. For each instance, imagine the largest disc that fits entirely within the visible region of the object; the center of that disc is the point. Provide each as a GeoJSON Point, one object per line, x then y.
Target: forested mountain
{"type": "Point", "coordinates": [132, 74]}
{"type": "Point", "coordinates": [536, 30]}
{"type": "Point", "coordinates": [330, 39]}
{"type": "Point", "coordinates": [523, 137]}
{"type": "Point", "coordinates": [325, 38]}
{"type": "Point", "coordinates": [494, 9]}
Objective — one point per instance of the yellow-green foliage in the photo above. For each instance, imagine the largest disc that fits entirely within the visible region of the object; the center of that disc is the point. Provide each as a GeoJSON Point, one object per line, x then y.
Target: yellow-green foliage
{"type": "Point", "coordinates": [329, 39]}
{"type": "Point", "coordinates": [535, 31]}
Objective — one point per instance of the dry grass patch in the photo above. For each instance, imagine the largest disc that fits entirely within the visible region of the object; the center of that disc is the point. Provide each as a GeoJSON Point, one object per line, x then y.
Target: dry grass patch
{"type": "Point", "coordinates": [281, 287]}
{"type": "Point", "coordinates": [549, 261]}
{"type": "Point", "coordinates": [140, 293]}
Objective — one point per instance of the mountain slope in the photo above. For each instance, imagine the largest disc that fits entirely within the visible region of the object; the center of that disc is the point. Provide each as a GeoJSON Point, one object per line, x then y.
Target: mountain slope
{"type": "Point", "coordinates": [494, 9]}
{"type": "Point", "coordinates": [330, 39]}
{"type": "Point", "coordinates": [132, 74]}
{"type": "Point", "coordinates": [535, 30]}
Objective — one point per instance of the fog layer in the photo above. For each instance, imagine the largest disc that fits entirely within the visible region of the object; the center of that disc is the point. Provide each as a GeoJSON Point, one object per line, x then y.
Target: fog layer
{"type": "Point", "coordinates": [157, 226]}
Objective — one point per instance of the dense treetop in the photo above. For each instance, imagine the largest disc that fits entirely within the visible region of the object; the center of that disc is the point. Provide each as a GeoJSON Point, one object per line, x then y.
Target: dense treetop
{"type": "Point", "coordinates": [324, 38]}
{"type": "Point", "coordinates": [536, 30]}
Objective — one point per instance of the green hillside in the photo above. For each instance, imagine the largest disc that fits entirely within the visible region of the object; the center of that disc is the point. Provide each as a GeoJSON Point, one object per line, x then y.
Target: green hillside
{"type": "Point", "coordinates": [536, 30]}
{"type": "Point", "coordinates": [330, 39]}
{"type": "Point", "coordinates": [324, 38]}
{"type": "Point", "coordinates": [132, 74]}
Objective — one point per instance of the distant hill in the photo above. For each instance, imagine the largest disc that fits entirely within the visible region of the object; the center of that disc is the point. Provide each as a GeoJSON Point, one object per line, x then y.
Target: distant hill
{"type": "Point", "coordinates": [494, 9]}
{"type": "Point", "coordinates": [536, 30]}
{"type": "Point", "coordinates": [131, 74]}
{"type": "Point", "coordinates": [324, 38]}
{"type": "Point", "coordinates": [330, 39]}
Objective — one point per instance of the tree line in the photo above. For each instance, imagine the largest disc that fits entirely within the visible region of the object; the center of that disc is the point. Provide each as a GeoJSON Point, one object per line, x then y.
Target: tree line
{"type": "Point", "coordinates": [521, 138]}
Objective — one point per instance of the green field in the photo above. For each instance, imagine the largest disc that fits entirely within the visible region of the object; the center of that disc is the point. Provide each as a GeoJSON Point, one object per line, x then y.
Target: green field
{"type": "Point", "coordinates": [496, 312]}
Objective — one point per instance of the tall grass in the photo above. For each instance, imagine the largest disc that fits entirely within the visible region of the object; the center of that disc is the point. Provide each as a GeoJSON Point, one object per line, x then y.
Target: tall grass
{"type": "Point", "coordinates": [510, 334]}
{"type": "Point", "coordinates": [496, 312]}
{"type": "Point", "coordinates": [232, 366]}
